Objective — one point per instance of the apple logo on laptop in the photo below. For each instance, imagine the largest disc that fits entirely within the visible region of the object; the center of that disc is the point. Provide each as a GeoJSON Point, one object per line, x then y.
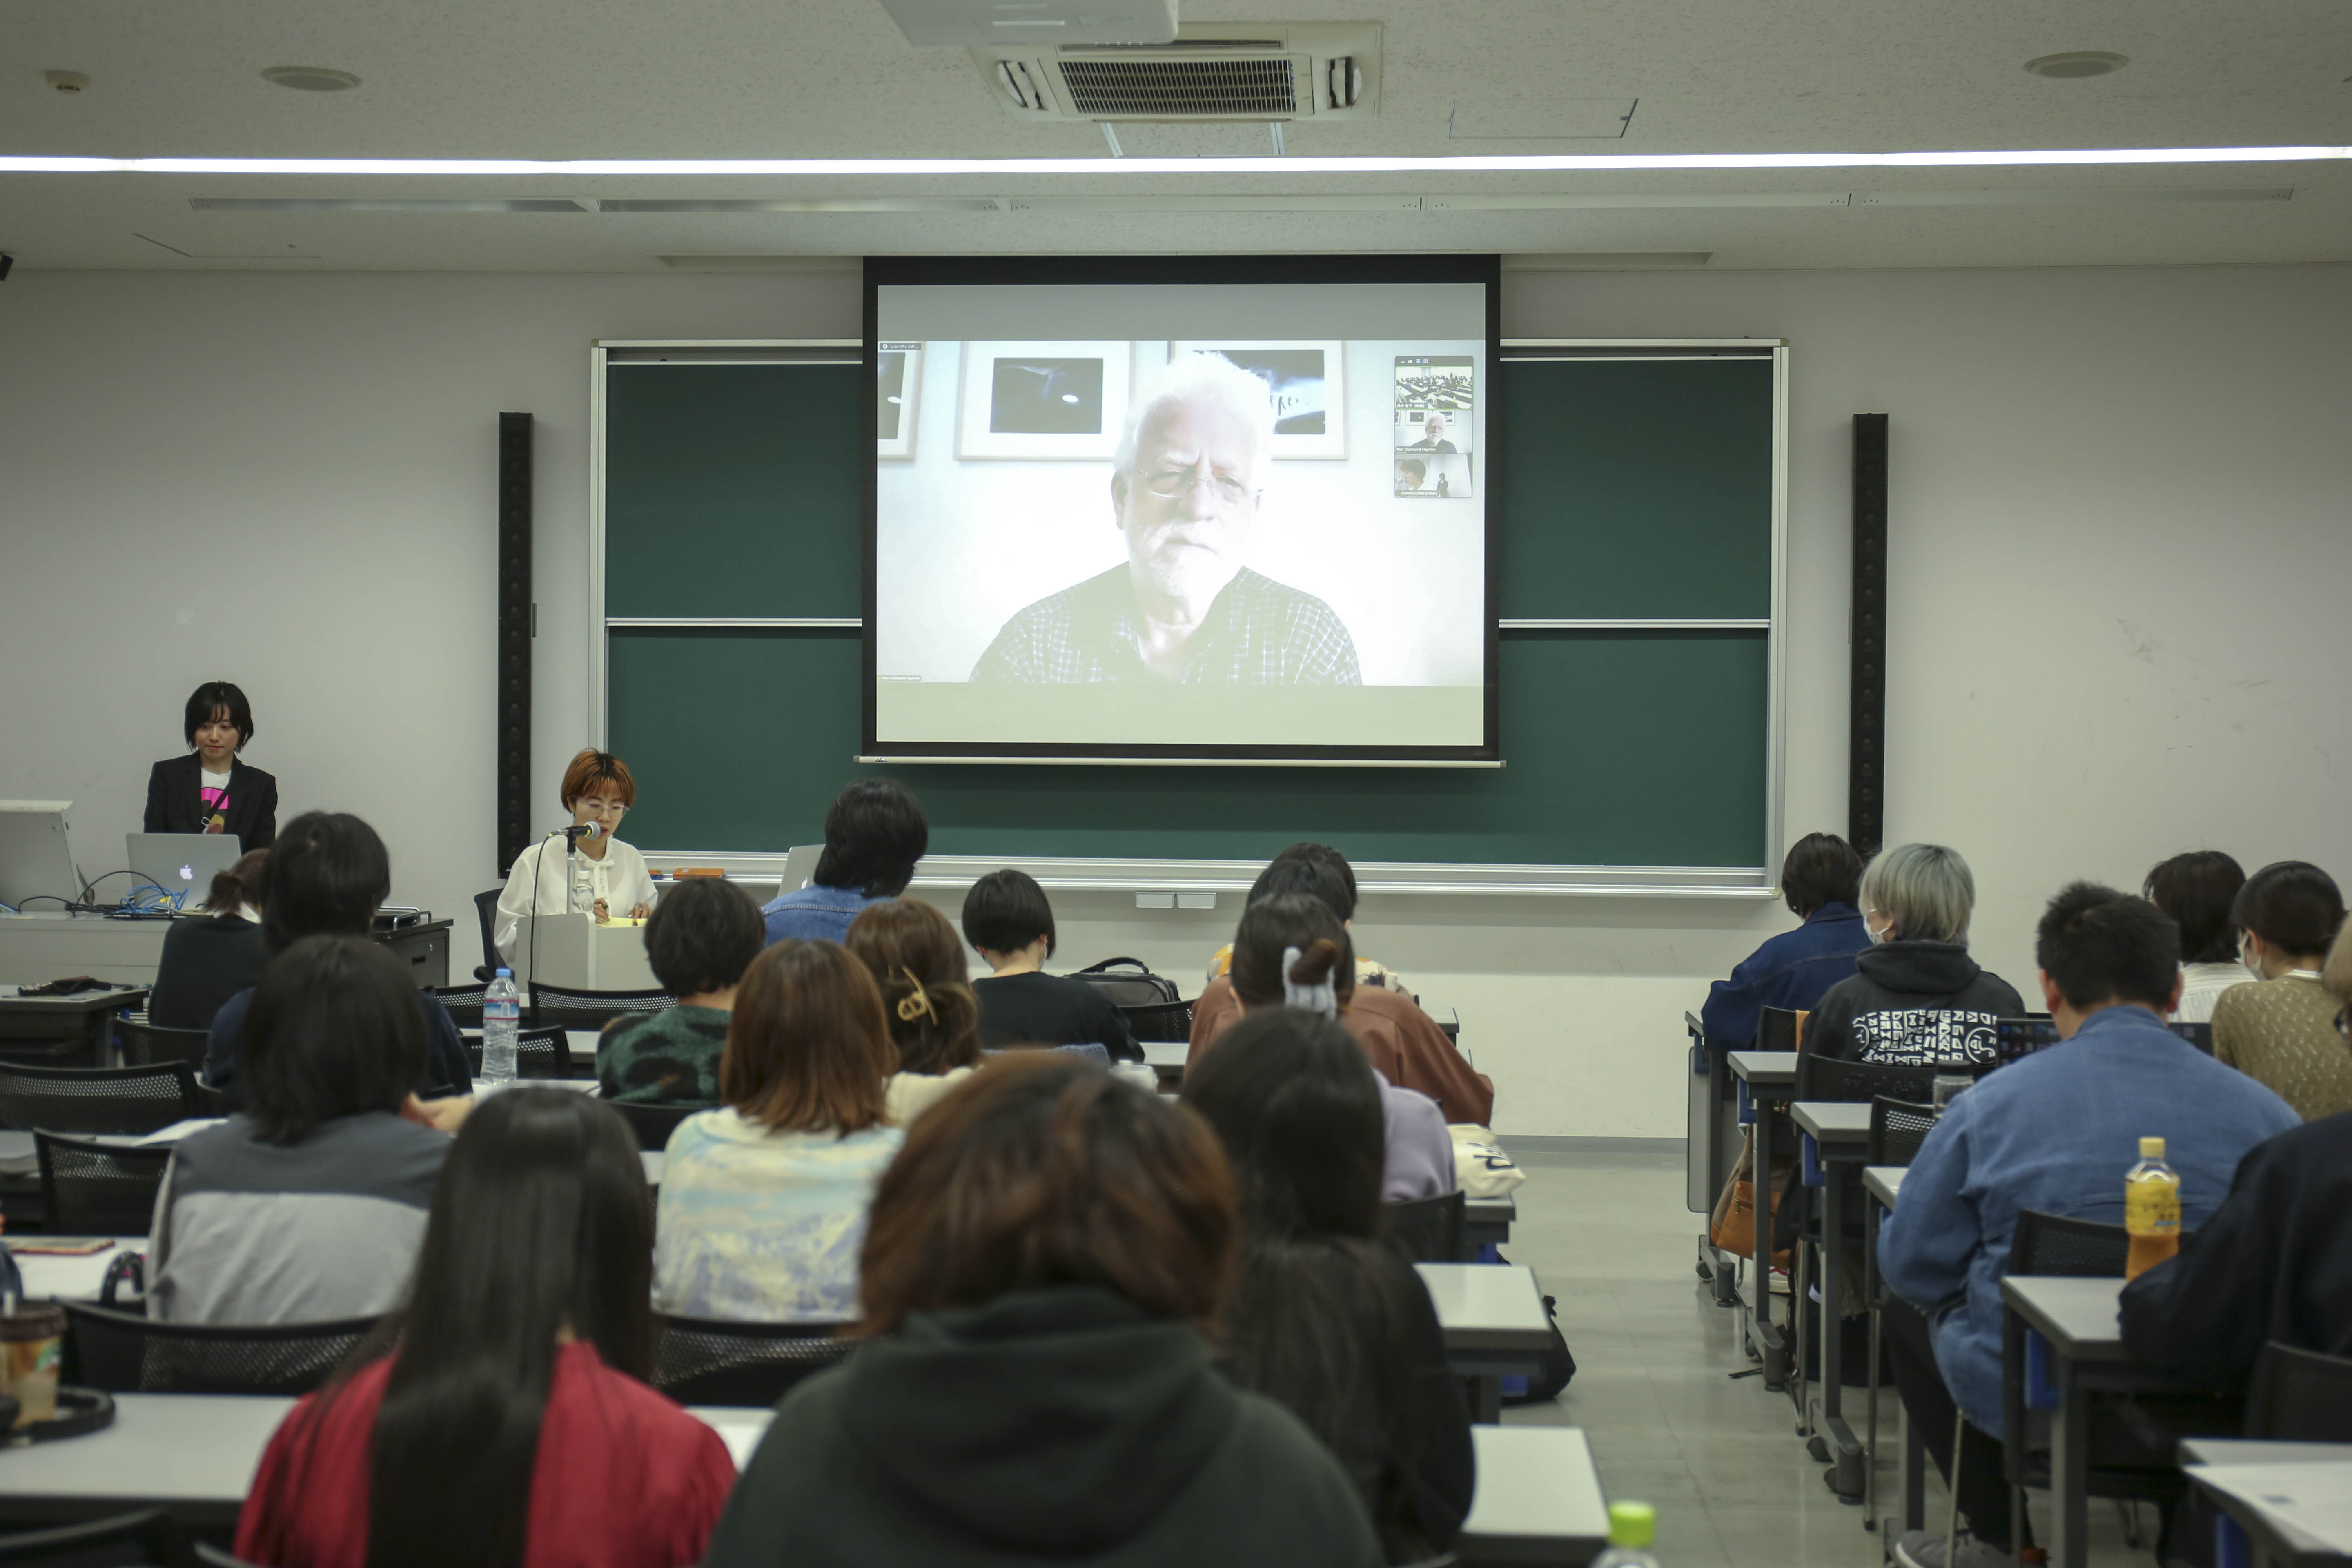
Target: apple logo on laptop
{"type": "Point", "coordinates": [188, 873]}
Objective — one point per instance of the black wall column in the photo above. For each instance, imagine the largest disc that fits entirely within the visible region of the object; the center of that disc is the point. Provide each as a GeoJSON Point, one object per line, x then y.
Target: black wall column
{"type": "Point", "coordinates": [1865, 807]}
{"type": "Point", "coordinates": [517, 615]}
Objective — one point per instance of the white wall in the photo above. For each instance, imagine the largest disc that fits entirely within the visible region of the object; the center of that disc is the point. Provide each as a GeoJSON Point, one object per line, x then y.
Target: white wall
{"type": "Point", "coordinates": [2121, 522]}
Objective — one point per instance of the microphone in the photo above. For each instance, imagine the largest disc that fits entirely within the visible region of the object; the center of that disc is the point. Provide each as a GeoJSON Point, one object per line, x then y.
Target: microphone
{"type": "Point", "coordinates": [584, 830]}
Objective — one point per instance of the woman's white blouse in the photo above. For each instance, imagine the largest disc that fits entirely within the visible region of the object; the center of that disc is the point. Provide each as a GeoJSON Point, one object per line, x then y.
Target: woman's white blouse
{"type": "Point", "coordinates": [547, 881]}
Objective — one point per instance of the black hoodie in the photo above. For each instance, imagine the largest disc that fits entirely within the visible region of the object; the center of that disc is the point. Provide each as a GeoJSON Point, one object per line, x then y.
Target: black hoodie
{"type": "Point", "coordinates": [1912, 1003]}
{"type": "Point", "coordinates": [1064, 1425]}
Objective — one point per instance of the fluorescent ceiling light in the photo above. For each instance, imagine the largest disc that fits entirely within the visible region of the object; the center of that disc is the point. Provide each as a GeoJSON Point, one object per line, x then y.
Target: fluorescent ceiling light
{"type": "Point", "coordinates": [1497, 164]}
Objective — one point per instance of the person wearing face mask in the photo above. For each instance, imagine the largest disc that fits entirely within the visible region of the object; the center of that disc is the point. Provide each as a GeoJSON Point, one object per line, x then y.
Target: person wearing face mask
{"type": "Point", "coordinates": [1917, 998]}
{"type": "Point", "coordinates": [1186, 482]}
{"type": "Point", "coordinates": [2281, 1030]}
{"type": "Point", "coordinates": [209, 790]}
{"type": "Point", "coordinates": [585, 870]}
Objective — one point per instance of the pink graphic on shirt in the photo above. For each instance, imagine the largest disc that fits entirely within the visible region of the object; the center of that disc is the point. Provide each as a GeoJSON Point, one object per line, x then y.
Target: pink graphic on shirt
{"type": "Point", "coordinates": [216, 800]}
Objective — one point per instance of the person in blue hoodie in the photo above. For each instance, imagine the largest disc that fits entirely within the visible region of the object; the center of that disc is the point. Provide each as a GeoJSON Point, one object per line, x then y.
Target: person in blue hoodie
{"type": "Point", "coordinates": [1822, 880]}
{"type": "Point", "coordinates": [2054, 1132]}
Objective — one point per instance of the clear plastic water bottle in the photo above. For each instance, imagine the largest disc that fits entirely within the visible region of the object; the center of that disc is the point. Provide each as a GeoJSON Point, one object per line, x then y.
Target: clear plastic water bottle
{"type": "Point", "coordinates": [1632, 1526]}
{"type": "Point", "coordinates": [501, 1017]}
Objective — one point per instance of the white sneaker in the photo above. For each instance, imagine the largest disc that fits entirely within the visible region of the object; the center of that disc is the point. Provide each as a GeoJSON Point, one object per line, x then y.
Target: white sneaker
{"type": "Point", "coordinates": [1918, 1549]}
{"type": "Point", "coordinates": [1779, 1282]}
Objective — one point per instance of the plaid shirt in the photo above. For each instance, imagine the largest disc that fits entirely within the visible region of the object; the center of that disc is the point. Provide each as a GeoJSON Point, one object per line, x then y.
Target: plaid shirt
{"type": "Point", "coordinates": [1258, 633]}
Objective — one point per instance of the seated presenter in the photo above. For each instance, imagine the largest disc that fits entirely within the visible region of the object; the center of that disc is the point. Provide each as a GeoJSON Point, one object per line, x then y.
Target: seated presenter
{"type": "Point", "coordinates": [582, 869]}
{"type": "Point", "coordinates": [209, 790]}
{"type": "Point", "coordinates": [1186, 482]}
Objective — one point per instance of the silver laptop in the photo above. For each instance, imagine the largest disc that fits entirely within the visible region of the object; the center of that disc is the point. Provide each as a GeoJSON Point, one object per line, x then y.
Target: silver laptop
{"type": "Point", "coordinates": [800, 868]}
{"type": "Point", "coordinates": [34, 857]}
{"type": "Point", "coordinates": [183, 863]}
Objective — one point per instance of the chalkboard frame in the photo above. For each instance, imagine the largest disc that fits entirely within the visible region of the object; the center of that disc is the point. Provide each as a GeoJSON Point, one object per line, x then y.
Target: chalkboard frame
{"type": "Point", "coordinates": [947, 871]}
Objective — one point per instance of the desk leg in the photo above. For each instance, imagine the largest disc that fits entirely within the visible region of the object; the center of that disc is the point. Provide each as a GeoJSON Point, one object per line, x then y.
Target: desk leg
{"type": "Point", "coordinates": [1769, 1347]}
{"type": "Point", "coordinates": [1723, 1127]}
{"type": "Point", "coordinates": [2070, 1456]}
{"type": "Point", "coordinates": [1869, 1305]}
{"type": "Point", "coordinates": [1915, 1476]}
{"type": "Point", "coordinates": [102, 1047]}
{"type": "Point", "coordinates": [1843, 1449]}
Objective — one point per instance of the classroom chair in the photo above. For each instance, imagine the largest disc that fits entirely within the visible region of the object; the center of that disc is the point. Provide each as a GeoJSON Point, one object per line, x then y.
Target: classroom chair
{"type": "Point", "coordinates": [719, 1360]}
{"type": "Point", "coordinates": [1163, 1023]}
{"type": "Point", "coordinates": [654, 1124]}
{"type": "Point", "coordinates": [1828, 1077]}
{"type": "Point", "coordinates": [485, 910]}
{"type": "Point", "coordinates": [1426, 1230]}
{"type": "Point", "coordinates": [98, 1189]}
{"type": "Point", "coordinates": [2299, 1397]}
{"type": "Point", "coordinates": [463, 1003]}
{"type": "Point", "coordinates": [561, 1008]}
{"type": "Point", "coordinates": [144, 1045]}
{"type": "Point", "coordinates": [538, 1053]}
{"type": "Point", "coordinates": [1897, 1128]}
{"type": "Point", "coordinates": [125, 1541]}
{"type": "Point", "coordinates": [99, 1100]}
{"type": "Point", "coordinates": [124, 1353]}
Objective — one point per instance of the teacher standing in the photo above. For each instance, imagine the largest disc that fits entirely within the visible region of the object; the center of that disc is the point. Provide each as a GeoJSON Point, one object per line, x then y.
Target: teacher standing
{"type": "Point", "coordinates": [209, 790]}
{"type": "Point", "coordinates": [580, 873]}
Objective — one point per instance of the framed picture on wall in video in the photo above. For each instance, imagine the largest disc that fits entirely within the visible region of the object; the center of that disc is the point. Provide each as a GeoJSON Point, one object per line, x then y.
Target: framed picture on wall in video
{"type": "Point", "coordinates": [898, 383]}
{"type": "Point", "coordinates": [1043, 400]}
{"type": "Point", "coordinates": [1305, 382]}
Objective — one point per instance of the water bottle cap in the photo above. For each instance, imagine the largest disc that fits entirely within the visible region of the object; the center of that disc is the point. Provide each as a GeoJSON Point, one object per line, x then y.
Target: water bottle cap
{"type": "Point", "coordinates": [2151, 1148]}
{"type": "Point", "coordinates": [505, 975]}
{"type": "Point", "coordinates": [1632, 1524]}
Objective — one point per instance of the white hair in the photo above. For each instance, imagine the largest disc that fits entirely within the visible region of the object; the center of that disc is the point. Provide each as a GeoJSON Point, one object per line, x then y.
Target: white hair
{"type": "Point", "coordinates": [1203, 378]}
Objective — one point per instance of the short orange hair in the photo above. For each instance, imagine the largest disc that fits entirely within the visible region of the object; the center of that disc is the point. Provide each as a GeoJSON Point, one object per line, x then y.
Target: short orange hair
{"type": "Point", "coordinates": [592, 768]}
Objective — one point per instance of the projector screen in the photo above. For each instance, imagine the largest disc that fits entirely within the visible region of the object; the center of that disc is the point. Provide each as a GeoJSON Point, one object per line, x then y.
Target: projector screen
{"type": "Point", "coordinates": [1182, 509]}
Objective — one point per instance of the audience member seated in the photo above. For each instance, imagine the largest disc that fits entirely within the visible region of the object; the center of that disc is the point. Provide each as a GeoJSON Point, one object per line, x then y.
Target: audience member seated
{"type": "Point", "coordinates": [763, 1201]}
{"type": "Point", "coordinates": [2197, 889]}
{"type": "Point", "coordinates": [2054, 1132]}
{"type": "Point", "coordinates": [700, 937]}
{"type": "Point", "coordinates": [2274, 1262]}
{"type": "Point", "coordinates": [1292, 951]}
{"type": "Point", "coordinates": [1047, 1257]}
{"type": "Point", "coordinates": [1822, 880]}
{"type": "Point", "coordinates": [873, 834]}
{"type": "Point", "coordinates": [927, 1001]}
{"type": "Point", "coordinates": [1329, 877]}
{"type": "Point", "coordinates": [1917, 998]}
{"type": "Point", "coordinates": [2281, 1030]}
{"type": "Point", "coordinates": [1009, 924]}
{"type": "Point", "coordinates": [1325, 1319]}
{"type": "Point", "coordinates": [205, 961]}
{"type": "Point", "coordinates": [501, 1416]}
{"type": "Point", "coordinates": [307, 1206]}
{"type": "Point", "coordinates": [1405, 1043]}
{"type": "Point", "coordinates": [325, 877]}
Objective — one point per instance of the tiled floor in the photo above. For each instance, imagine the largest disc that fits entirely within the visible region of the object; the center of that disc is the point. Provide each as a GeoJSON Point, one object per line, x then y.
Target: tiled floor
{"type": "Point", "coordinates": [1610, 1236]}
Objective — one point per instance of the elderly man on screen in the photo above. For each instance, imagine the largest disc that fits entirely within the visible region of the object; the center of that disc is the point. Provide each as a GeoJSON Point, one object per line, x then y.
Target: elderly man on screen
{"type": "Point", "coordinates": [1184, 488]}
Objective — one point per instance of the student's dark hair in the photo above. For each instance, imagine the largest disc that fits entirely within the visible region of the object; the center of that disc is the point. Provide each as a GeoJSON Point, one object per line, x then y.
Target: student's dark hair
{"type": "Point", "coordinates": [237, 885]}
{"type": "Point", "coordinates": [873, 834]}
{"type": "Point", "coordinates": [1316, 1321]}
{"type": "Point", "coordinates": [219, 696]}
{"type": "Point", "coordinates": [1005, 911]}
{"type": "Point", "coordinates": [702, 935]}
{"type": "Point", "coordinates": [1316, 868]}
{"type": "Point", "coordinates": [2099, 945]}
{"type": "Point", "coordinates": [2291, 904]}
{"type": "Point", "coordinates": [325, 877]}
{"type": "Point", "coordinates": [2197, 889]}
{"type": "Point", "coordinates": [542, 1221]}
{"type": "Point", "coordinates": [1821, 868]}
{"type": "Point", "coordinates": [1043, 1170]}
{"type": "Point", "coordinates": [334, 1029]}
{"type": "Point", "coordinates": [927, 1001]}
{"type": "Point", "coordinates": [1285, 921]}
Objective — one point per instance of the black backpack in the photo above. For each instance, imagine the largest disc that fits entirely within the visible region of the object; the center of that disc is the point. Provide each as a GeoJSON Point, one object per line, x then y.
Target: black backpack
{"type": "Point", "coordinates": [1128, 982]}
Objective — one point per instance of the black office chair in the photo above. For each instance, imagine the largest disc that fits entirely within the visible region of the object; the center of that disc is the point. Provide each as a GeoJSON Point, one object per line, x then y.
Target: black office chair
{"type": "Point", "coordinates": [99, 1189]}
{"type": "Point", "coordinates": [1897, 1128]}
{"type": "Point", "coordinates": [124, 1353]}
{"type": "Point", "coordinates": [99, 1100]}
{"type": "Point", "coordinates": [149, 1539]}
{"type": "Point", "coordinates": [716, 1360]}
{"type": "Point", "coordinates": [464, 1003]}
{"type": "Point", "coordinates": [1828, 1077]}
{"type": "Point", "coordinates": [1779, 1029]}
{"type": "Point", "coordinates": [561, 1008]}
{"type": "Point", "coordinates": [144, 1045]}
{"type": "Point", "coordinates": [538, 1053]}
{"type": "Point", "coordinates": [1426, 1230]}
{"type": "Point", "coordinates": [485, 910]}
{"type": "Point", "coordinates": [2299, 1397]}
{"type": "Point", "coordinates": [1163, 1023]}
{"type": "Point", "coordinates": [654, 1124]}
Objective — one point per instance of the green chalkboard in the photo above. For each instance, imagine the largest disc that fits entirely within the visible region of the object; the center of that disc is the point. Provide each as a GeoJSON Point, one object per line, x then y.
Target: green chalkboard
{"type": "Point", "coordinates": [1636, 489]}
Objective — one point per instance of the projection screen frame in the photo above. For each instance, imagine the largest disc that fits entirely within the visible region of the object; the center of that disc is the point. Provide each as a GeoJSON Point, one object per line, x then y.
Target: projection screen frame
{"type": "Point", "coordinates": [1737, 883]}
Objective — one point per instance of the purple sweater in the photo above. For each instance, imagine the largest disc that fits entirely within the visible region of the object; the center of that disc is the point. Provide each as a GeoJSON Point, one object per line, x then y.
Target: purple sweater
{"type": "Point", "coordinates": [1419, 1162]}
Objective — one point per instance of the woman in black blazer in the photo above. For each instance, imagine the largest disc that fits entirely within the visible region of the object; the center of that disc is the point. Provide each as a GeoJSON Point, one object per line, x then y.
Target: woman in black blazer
{"type": "Point", "coordinates": [209, 791]}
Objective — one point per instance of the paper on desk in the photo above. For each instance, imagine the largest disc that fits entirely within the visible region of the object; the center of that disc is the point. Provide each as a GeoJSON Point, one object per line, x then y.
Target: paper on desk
{"type": "Point", "coordinates": [2312, 1498]}
{"type": "Point", "coordinates": [179, 1130]}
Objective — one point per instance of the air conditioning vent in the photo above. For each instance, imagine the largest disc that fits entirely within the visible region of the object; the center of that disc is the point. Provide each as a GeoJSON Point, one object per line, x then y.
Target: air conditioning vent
{"type": "Point", "coordinates": [1260, 88]}
{"type": "Point", "coordinates": [1230, 71]}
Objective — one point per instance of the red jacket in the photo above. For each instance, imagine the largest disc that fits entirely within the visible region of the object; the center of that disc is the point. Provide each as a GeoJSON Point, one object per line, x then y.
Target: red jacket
{"type": "Point", "coordinates": [1405, 1045]}
{"type": "Point", "coordinates": [625, 1478]}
